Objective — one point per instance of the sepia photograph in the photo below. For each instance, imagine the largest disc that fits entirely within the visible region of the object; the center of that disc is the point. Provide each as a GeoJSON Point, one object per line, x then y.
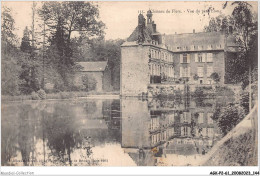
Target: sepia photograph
{"type": "Point", "coordinates": [160, 83]}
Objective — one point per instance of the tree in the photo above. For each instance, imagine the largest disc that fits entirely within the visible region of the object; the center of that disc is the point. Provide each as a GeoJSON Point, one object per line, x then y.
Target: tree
{"type": "Point", "coordinates": [9, 54]}
{"type": "Point", "coordinates": [64, 18]}
{"type": "Point", "coordinates": [89, 82]}
{"type": "Point", "coordinates": [29, 66]}
{"type": "Point", "coordinates": [244, 23]}
{"type": "Point", "coordinates": [219, 23]}
{"type": "Point", "coordinates": [25, 45]}
{"type": "Point", "coordinates": [215, 77]}
{"type": "Point", "coordinates": [246, 29]}
{"type": "Point", "coordinates": [228, 117]}
{"type": "Point", "coordinates": [7, 28]}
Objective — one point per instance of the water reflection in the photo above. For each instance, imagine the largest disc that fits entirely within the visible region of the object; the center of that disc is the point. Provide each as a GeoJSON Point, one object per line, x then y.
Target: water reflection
{"type": "Point", "coordinates": [124, 132]}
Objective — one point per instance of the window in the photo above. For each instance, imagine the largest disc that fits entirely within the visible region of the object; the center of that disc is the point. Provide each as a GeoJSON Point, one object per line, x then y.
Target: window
{"type": "Point", "coordinates": [192, 48]}
{"type": "Point", "coordinates": [200, 71]}
{"type": "Point", "coordinates": [184, 71]}
{"type": "Point", "coordinates": [210, 132]}
{"type": "Point", "coordinates": [210, 115]}
{"type": "Point", "coordinates": [185, 131]}
{"type": "Point", "coordinates": [200, 57]}
{"type": "Point", "coordinates": [219, 46]}
{"type": "Point", "coordinates": [204, 131]}
{"type": "Point", "coordinates": [200, 118]}
{"type": "Point", "coordinates": [209, 57]}
{"type": "Point", "coordinates": [200, 47]}
{"type": "Point", "coordinates": [184, 58]}
{"type": "Point", "coordinates": [209, 71]}
{"type": "Point", "coordinates": [210, 47]}
{"type": "Point", "coordinates": [178, 48]}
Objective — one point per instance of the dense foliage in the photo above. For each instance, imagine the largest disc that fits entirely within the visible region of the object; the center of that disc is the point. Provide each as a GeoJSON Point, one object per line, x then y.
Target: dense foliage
{"type": "Point", "coordinates": [70, 32]}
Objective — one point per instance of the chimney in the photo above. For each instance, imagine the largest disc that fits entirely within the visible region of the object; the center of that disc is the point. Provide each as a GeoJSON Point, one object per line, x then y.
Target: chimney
{"type": "Point", "coordinates": [193, 30]}
{"type": "Point", "coordinates": [154, 27]}
{"type": "Point", "coordinates": [230, 30]}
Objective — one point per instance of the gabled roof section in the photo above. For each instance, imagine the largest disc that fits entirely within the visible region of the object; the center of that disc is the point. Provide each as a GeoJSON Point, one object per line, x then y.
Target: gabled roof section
{"type": "Point", "coordinates": [92, 66]}
{"type": "Point", "coordinates": [134, 36]}
{"type": "Point", "coordinates": [195, 39]}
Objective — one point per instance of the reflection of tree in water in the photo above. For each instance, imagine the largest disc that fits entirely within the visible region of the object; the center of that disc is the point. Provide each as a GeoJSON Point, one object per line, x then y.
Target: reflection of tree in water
{"type": "Point", "coordinates": [62, 133]}
{"type": "Point", "coordinates": [9, 135]}
{"type": "Point", "coordinates": [27, 122]}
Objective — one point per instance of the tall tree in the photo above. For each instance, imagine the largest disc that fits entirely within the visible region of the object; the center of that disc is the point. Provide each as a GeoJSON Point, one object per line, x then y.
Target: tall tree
{"type": "Point", "coordinates": [64, 18]}
{"type": "Point", "coordinates": [9, 55]}
{"type": "Point", "coordinates": [246, 28]}
{"type": "Point", "coordinates": [25, 45]}
{"type": "Point", "coordinates": [219, 23]}
{"type": "Point", "coordinates": [30, 66]}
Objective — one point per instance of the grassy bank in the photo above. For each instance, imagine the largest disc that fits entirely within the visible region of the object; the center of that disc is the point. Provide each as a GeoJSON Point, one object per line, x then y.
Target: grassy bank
{"type": "Point", "coordinates": [238, 151]}
{"type": "Point", "coordinates": [59, 95]}
{"type": "Point", "coordinates": [239, 146]}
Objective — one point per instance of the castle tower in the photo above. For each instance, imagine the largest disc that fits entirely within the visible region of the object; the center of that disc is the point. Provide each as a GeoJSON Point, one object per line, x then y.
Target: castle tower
{"type": "Point", "coordinates": [149, 17]}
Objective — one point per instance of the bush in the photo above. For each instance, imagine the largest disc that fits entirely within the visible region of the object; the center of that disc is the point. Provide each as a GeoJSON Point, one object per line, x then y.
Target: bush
{"type": "Point", "coordinates": [34, 96]}
{"type": "Point", "coordinates": [89, 82]}
{"type": "Point", "coordinates": [215, 77]}
{"type": "Point", "coordinates": [41, 94]}
{"type": "Point", "coordinates": [199, 93]}
{"type": "Point", "coordinates": [196, 77]}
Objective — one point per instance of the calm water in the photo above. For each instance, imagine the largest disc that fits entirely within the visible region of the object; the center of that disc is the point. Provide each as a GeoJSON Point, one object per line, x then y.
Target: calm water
{"type": "Point", "coordinates": [124, 132]}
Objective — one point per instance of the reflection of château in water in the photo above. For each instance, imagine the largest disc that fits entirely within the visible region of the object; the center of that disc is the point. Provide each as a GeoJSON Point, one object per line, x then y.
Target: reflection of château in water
{"type": "Point", "coordinates": [157, 125]}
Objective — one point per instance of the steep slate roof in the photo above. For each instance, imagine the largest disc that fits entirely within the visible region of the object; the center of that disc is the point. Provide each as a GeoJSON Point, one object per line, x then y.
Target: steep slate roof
{"type": "Point", "coordinates": [134, 36]}
{"type": "Point", "coordinates": [92, 66]}
{"type": "Point", "coordinates": [197, 39]}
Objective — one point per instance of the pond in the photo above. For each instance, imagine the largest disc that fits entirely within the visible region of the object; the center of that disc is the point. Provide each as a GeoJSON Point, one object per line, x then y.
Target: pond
{"type": "Point", "coordinates": [118, 132]}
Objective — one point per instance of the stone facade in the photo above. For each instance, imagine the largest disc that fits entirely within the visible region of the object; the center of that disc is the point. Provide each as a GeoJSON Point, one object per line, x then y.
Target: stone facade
{"type": "Point", "coordinates": [148, 57]}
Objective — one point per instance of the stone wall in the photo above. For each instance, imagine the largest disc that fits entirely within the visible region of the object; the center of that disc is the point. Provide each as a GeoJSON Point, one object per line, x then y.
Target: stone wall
{"type": "Point", "coordinates": [134, 70]}
{"type": "Point", "coordinates": [155, 90]}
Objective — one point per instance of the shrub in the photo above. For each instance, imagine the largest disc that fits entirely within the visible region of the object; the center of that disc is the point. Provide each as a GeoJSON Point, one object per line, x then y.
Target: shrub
{"type": "Point", "coordinates": [199, 93]}
{"type": "Point", "coordinates": [215, 77]}
{"type": "Point", "coordinates": [41, 94]}
{"type": "Point", "coordinates": [89, 82]}
{"type": "Point", "coordinates": [196, 77]}
{"type": "Point", "coordinates": [34, 96]}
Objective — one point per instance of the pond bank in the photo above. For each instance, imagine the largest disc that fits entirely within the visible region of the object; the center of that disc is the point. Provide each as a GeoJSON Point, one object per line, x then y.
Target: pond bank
{"type": "Point", "coordinates": [63, 95]}
{"type": "Point", "coordinates": [238, 147]}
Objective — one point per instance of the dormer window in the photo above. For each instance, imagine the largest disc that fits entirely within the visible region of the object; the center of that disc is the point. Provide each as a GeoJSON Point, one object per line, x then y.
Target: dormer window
{"type": "Point", "coordinates": [200, 47]}
{"type": "Point", "coordinates": [192, 48]}
{"type": "Point", "coordinates": [178, 48]}
{"type": "Point", "coordinates": [210, 47]}
{"type": "Point", "coordinates": [219, 46]}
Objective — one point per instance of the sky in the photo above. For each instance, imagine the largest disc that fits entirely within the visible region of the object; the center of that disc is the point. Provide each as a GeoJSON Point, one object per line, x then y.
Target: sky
{"type": "Point", "coordinates": [121, 17]}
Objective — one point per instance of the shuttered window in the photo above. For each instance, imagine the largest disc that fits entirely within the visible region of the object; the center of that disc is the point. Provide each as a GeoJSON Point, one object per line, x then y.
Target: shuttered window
{"type": "Point", "coordinates": [200, 118]}
{"type": "Point", "coordinates": [210, 120]}
{"type": "Point", "coordinates": [200, 71]}
{"type": "Point", "coordinates": [184, 71]}
{"type": "Point", "coordinates": [209, 57]}
{"type": "Point", "coordinates": [209, 71]}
